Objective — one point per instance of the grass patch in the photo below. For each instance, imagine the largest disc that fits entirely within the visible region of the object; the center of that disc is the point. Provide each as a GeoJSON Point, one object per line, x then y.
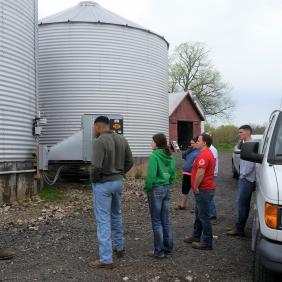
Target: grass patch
{"type": "Point", "coordinates": [178, 176]}
{"type": "Point", "coordinates": [51, 194]}
{"type": "Point", "coordinates": [225, 148]}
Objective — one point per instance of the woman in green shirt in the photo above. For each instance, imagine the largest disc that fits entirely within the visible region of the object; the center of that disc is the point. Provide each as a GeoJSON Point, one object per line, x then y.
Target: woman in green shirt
{"type": "Point", "coordinates": [160, 177]}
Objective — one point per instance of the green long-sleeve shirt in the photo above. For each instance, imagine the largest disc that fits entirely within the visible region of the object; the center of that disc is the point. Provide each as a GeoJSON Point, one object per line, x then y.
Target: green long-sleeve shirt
{"type": "Point", "coordinates": [161, 170]}
{"type": "Point", "coordinates": [111, 159]}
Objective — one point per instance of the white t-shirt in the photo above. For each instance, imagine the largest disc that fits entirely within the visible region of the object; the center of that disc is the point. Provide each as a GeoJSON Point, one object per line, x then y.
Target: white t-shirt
{"type": "Point", "coordinates": [215, 154]}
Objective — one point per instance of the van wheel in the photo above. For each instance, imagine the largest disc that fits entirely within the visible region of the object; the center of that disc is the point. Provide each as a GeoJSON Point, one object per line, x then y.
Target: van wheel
{"type": "Point", "coordinates": [260, 273]}
{"type": "Point", "coordinates": [234, 171]}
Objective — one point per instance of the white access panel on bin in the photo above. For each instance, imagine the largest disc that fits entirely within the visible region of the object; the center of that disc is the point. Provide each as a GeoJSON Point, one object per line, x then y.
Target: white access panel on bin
{"type": "Point", "coordinates": [79, 146]}
{"type": "Point", "coordinates": [116, 124]}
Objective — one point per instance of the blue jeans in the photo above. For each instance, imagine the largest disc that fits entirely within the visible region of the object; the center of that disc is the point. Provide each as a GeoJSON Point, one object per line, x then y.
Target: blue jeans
{"type": "Point", "coordinates": [213, 213]}
{"type": "Point", "coordinates": [159, 201]}
{"type": "Point", "coordinates": [213, 208]}
{"type": "Point", "coordinates": [202, 224]}
{"type": "Point", "coordinates": [244, 197]}
{"type": "Point", "coordinates": [107, 208]}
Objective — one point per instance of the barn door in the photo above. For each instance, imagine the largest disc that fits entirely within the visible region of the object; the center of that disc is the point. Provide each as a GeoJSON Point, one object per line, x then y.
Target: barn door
{"type": "Point", "coordinates": [184, 133]}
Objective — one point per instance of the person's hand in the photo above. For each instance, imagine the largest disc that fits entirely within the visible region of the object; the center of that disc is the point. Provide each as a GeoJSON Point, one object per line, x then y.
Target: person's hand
{"type": "Point", "coordinates": [196, 191]}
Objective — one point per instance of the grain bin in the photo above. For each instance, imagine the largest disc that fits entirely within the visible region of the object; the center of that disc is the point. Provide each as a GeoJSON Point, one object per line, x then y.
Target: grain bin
{"type": "Point", "coordinates": [94, 61]}
{"type": "Point", "coordinates": [18, 100]}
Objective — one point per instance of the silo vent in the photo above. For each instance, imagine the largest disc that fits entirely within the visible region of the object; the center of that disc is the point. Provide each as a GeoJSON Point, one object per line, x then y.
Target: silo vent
{"type": "Point", "coordinates": [88, 3]}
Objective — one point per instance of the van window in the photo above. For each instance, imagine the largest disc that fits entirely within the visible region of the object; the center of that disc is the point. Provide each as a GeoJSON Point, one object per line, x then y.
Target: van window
{"type": "Point", "coordinates": [278, 145]}
{"type": "Point", "coordinates": [266, 136]}
{"type": "Point", "coordinates": [275, 152]}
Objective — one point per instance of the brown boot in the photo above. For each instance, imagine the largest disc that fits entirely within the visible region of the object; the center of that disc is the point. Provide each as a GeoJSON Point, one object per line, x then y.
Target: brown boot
{"type": "Point", "coordinates": [214, 221]}
{"type": "Point", "coordinates": [235, 232]}
{"type": "Point", "coordinates": [6, 253]}
{"type": "Point", "coordinates": [190, 240]}
{"type": "Point", "coordinates": [98, 264]}
{"type": "Point", "coordinates": [201, 246]}
{"type": "Point", "coordinates": [152, 255]}
{"type": "Point", "coordinates": [179, 207]}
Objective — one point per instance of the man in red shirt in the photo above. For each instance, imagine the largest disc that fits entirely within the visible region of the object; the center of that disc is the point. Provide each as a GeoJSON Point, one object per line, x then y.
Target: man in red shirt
{"type": "Point", "coordinates": [203, 187]}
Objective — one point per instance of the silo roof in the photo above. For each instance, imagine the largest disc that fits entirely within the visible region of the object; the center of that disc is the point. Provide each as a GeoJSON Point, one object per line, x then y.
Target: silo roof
{"type": "Point", "coordinates": [92, 12]}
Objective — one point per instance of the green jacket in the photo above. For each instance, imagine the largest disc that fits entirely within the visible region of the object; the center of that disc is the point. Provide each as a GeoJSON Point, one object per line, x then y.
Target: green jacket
{"type": "Point", "coordinates": [161, 170]}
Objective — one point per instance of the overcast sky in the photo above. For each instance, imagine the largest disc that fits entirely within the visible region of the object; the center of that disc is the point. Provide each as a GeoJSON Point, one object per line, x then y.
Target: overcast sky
{"type": "Point", "coordinates": [244, 36]}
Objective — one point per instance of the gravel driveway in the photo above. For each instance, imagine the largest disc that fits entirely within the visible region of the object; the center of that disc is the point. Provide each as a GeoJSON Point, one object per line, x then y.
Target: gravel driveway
{"type": "Point", "coordinates": [61, 249]}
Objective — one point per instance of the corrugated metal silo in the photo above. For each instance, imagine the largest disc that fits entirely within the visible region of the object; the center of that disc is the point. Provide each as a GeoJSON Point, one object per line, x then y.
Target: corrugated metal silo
{"type": "Point", "coordinates": [18, 100]}
{"type": "Point", "coordinates": [94, 61]}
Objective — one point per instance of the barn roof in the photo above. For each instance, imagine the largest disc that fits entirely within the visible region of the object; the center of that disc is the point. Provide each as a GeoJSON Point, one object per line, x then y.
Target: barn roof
{"type": "Point", "coordinates": [177, 97]}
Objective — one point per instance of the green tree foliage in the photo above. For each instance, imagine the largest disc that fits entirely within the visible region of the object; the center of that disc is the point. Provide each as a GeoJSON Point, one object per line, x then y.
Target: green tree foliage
{"type": "Point", "coordinates": [224, 137]}
{"type": "Point", "coordinates": [258, 129]}
{"type": "Point", "coordinates": [191, 69]}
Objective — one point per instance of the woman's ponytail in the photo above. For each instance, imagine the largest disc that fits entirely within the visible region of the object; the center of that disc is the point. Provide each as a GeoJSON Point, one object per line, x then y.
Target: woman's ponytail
{"type": "Point", "coordinates": [161, 142]}
{"type": "Point", "coordinates": [167, 150]}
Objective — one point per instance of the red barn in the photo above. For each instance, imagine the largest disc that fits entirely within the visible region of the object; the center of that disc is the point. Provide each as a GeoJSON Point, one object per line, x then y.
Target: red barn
{"type": "Point", "coordinates": [186, 117]}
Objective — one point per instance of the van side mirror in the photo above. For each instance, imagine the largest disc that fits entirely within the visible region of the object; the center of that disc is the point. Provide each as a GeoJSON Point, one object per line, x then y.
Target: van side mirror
{"type": "Point", "coordinates": [237, 151]}
{"type": "Point", "coordinates": [249, 152]}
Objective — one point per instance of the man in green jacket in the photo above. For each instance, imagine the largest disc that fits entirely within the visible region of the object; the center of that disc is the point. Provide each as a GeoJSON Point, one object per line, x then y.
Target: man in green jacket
{"type": "Point", "coordinates": [112, 158]}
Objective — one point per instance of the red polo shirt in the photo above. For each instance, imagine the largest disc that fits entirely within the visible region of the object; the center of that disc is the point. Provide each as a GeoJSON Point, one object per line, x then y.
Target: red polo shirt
{"type": "Point", "coordinates": [205, 161]}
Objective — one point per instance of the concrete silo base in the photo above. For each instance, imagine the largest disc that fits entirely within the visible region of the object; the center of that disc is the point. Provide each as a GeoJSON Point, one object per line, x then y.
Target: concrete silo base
{"type": "Point", "coordinates": [17, 187]}
{"type": "Point", "coordinates": [77, 172]}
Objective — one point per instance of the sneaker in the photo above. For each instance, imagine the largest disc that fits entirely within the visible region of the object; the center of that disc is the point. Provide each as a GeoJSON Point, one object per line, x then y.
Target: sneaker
{"type": "Point", "coordinates": [120, 253]}
{"type": "Point", "coordinates": [190, 240]}
{"type": "Point", "coordinates": [235, 232]}
{"type": "Point", "coordinates": [201, 246]}
{"type": "Point", "coordinates": [6, 253]}
{"type": "Point", "coordinates": [152, 255]}
{"type": "Point", "coordinates": [97, 264]}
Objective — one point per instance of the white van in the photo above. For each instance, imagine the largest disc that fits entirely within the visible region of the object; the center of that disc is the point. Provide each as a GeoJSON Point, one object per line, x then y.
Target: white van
{"type": "Point", "coordinates": [267, 223]}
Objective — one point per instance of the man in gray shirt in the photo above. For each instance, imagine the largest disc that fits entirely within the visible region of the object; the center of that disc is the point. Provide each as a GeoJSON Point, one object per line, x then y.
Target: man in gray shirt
{"type": "Point", "coordinates": [112, 158]}
{"type": "Point", "coordinates": [246, 185]}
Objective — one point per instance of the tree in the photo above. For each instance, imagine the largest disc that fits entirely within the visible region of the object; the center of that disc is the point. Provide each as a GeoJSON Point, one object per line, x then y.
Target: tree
{"type": "Point", "coordinates": [258, 129]}
{"type": "Point", "coordinates": [224, 137]}
{"type": "Point", "coordinates": [191, 69]}
{"type": "Point", "coordinates": [226, 134]}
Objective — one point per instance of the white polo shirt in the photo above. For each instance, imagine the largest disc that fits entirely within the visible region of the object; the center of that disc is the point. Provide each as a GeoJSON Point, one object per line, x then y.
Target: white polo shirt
{"type": "Point", "coordinates": [215, 154]}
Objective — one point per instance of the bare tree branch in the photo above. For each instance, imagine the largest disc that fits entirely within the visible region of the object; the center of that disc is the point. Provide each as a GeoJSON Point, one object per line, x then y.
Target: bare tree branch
{"type": "Point", "coordinates": [191, 69]}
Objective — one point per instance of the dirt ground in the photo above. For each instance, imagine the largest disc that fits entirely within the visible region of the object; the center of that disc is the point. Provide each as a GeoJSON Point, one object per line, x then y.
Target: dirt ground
{"type": "Point", "coordinates": [55, 243]}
